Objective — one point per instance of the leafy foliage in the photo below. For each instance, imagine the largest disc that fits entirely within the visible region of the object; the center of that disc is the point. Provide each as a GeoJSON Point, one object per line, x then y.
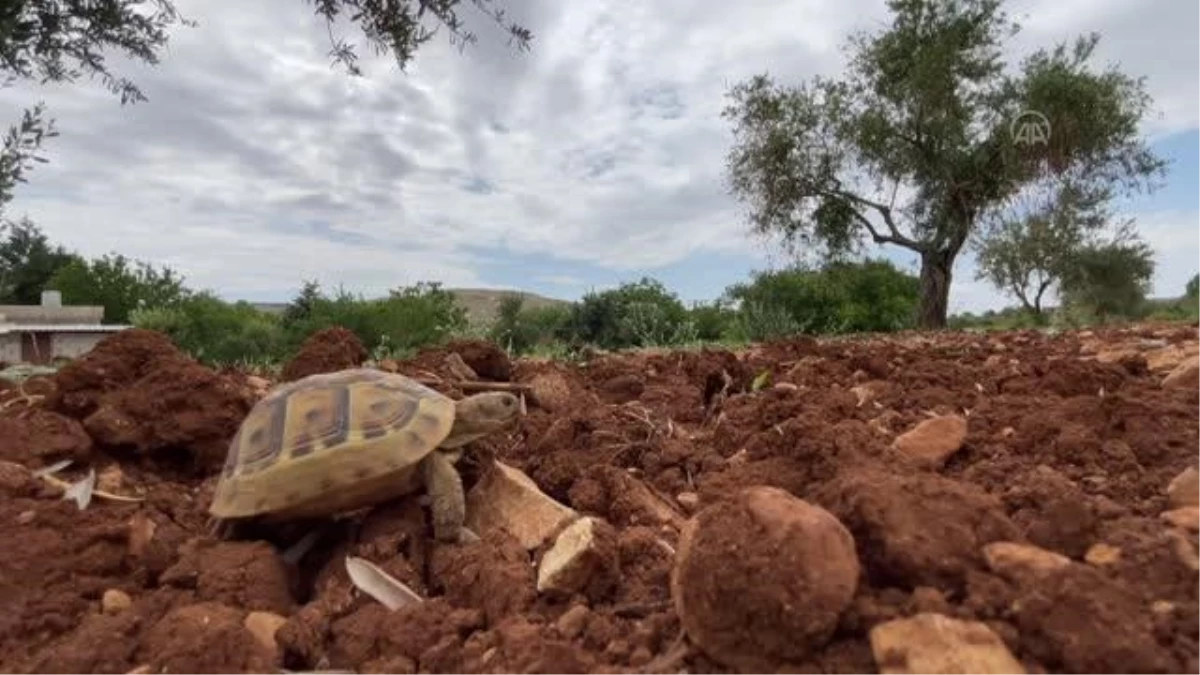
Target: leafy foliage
{"type": "Point", "coordinates": [521, 330]}
{"type": "Point", "coordinates": [1024, 253]}
{"type": "Point", "coordinates": [119, 284]}
{"type": "Point", "coordinates": [1109, 279]}
{"type": "Point", "coordinates": [407, 318]}
{"type": "Point", "coordinates": [396, 26]}
{"type": "Point", "coordinates": [641, 313]}
{"type": "Point", "coordinates": [839, 297]}
{"type": "Point", "coordinates": [1192, 290]}
{"type": "Point", "coordinates": [20, 150]}
{"type": "Point", "coordinates": [925, 111]}
{"type": "Point", "coordinates": [215, 331]}
{"type": "Point", "coordinates": [28, 262]}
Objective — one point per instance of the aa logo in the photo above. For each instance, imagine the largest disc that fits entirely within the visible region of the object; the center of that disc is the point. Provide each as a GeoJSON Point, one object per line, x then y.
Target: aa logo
{"type": "Point", "coordinates": [1030, 128]}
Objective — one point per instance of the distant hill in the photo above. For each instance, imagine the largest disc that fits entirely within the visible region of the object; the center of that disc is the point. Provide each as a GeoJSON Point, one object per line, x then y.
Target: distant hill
{"type": "Point", "coordinates": [481, 304]}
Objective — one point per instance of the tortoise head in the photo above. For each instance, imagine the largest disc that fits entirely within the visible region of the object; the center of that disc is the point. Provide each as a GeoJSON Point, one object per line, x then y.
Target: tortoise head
{"type": "Point", "coordinates": [479, 415]}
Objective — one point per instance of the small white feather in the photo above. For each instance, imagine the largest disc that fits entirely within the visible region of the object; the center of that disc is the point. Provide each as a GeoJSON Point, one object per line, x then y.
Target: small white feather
{"type": "Point", "coordinates": [52, 469]}
{"type": "Point", "coordinates": [81, 490]}
{"type": "Point", "coordinates": [380, 585]}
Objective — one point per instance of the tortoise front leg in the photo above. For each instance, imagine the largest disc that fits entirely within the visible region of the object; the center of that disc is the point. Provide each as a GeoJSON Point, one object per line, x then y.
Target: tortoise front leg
{"type": "Point", "coordinates": [447, 502]}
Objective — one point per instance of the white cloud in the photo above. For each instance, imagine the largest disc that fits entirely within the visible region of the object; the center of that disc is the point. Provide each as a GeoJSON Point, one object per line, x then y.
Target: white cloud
{"type": "Point", "coordinates": [256, 164]}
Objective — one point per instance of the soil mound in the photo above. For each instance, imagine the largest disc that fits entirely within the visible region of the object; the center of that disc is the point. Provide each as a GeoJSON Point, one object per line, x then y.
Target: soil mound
{"type": "Point", "coordinates": [325, 351]}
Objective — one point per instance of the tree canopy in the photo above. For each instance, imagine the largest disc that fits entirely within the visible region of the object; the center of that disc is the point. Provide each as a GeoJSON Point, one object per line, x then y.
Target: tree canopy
{"type": "Point", "coordinates": [27, 262]}
{"type": "Point", "coordinates": [916, 142]}
{"type": "Point", "coordinates": [1110, 278]}
{"type": "Point", "coordinates": [1026, 250]}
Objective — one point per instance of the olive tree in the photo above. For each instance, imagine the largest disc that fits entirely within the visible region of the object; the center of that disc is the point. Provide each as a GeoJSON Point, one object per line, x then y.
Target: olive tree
{"type": "Point", "coordinates": [60, 40]}
{"type": "Point", "coordinates": [916, 142]}
{"type": "Point", "coordinates": [1109, 278]}
{"type": "Point", "coordinates": [1026, 250]}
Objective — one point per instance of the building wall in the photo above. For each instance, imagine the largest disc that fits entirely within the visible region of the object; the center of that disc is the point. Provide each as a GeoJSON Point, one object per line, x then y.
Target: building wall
{"type": "Point", "coordinates": [70, 345]}
{"type": "Point", "coordinates": [10, 347]}
{"type": "Point", "coordinates": [27, 314]}
{"type": "Point", "coordinates": [73, 345]}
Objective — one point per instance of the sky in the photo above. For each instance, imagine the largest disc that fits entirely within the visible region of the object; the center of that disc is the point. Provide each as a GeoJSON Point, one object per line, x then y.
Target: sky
{"type": "Point", "coordinates": [596, 157]}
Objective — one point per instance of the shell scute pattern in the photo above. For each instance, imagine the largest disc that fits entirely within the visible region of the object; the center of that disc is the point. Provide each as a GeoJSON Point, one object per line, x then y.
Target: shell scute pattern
{"type": "Point", "coordinates": [326, 411]}
{"type": "Point", "coordinates": [288, 450]}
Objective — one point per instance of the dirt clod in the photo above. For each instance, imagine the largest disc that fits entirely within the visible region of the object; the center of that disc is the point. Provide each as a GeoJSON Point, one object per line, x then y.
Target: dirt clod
{"type": "Point", "coordinates": [763, 578]}
{"type": "Point", "coordinates": [931, 442]}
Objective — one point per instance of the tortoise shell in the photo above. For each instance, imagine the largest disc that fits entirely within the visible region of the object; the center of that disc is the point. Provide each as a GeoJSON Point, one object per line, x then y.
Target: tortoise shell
{"type": "Point", "coordinates": [330, 443]}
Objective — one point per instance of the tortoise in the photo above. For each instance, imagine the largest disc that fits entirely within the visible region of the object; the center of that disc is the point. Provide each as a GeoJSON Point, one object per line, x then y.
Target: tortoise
{"type": "Point", "coordinates": [335, 442]}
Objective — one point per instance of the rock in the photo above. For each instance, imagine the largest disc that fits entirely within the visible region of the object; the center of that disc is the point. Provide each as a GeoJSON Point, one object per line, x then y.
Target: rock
{"type": "Point", "coordinates": [1184, 550]}
{"type": "Point", "coordinates": [115, 601]}
{"type": "Point", "coordinates": [505, 498]}
{"type": "Point", "coordinates": [930, 443]}
{"type": "Point", "coordinates": [1102, 554]}
{"type": "Point", "coordinates": [762, 578]}
{"type": "Point", "coordinates": [868, 391]}
{"type": "Point", "coordinates": [1184, 489]}
{"type": "Point", "coordinates": [1022, 562]}
{"type": "Point", "coordinates": [26, 517]}
{"type": "Point", "coordinates": [572, 621]}
{"type": "Point", "coordinates": [1183, 376]}
{"type": "Point", "coordinates": [785, 386]}
{"type": "Point", "coordinates": [1187, 517]}
{"type": "Point", "coordinates": [583, 559]}
{"type": "Point", "coordinates": [935, 643]}
{"type": "Point", "coordinates": [483, 357]}
{"type": "Point", "coordinates": [111, 479]}
{"type": "Point", "coordinates": [689, 501]}
{"type": "Point", "coordinates": [1116, 355]}
{"type": "Point", "coordinates": [459, 368]}
{"type": "Point", "coordinates": [1166, 359]}
{"type": "Point", "coordinates": [258, 383]}
{"type": "Point", "coordinates": [263, 626]}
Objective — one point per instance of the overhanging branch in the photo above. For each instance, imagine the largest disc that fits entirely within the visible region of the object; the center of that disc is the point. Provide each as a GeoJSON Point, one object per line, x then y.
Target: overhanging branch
{"type": "Point", "coordinates": [893, 237]}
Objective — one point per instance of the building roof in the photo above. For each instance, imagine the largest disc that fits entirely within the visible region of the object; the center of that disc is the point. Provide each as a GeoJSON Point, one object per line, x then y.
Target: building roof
{"type": "Point", "coordinates": [60, 328]}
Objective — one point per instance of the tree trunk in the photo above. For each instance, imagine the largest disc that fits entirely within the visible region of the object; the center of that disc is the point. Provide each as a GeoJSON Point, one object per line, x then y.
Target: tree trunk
{"type": "Point", "coordinates": [935, 289]}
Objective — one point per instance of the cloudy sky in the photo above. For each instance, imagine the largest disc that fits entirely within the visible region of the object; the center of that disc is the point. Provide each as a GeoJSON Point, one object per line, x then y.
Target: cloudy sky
{"type": "Point", "coordinates": [596, 157]}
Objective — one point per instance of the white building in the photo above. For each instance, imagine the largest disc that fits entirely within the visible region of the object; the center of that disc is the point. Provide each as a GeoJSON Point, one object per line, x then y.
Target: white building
{"type": "Point", "coordinates": [40, 333]}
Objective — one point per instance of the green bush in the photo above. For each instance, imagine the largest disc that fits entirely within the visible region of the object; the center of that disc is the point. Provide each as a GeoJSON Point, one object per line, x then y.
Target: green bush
{"type": "Point", "coordinates": [642, 313]}
{"type": "Point", "coordinates": [522, 330]}
{"type": "Point", "coordinates": [410, 317]}
{"type": "Point", "coordinates": [216, 332]}
{"type": "Point", "coordinates": [1192, 290]}
{"type": "Point", "coordinates": [713, 321]}
{"type": "Point", "coordinates": [840, 297]}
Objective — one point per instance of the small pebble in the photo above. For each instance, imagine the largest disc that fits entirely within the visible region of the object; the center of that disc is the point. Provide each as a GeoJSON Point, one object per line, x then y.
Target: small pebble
{"type": "Point", "coordinates": [1102, 554]}
{"type": "Point", "coordinates": [263, 626]}
{"type": "Point", "coordinates": [572, 621]}
{"type": "Point", "coordinates": [689, 501]}
{"type": "Point", "coordinates": [26, 517]}
{"type": "Point", "coordinates": [115, 601]}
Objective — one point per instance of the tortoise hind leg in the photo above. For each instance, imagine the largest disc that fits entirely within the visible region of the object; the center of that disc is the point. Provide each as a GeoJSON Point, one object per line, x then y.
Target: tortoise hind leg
{"type": "Point", "coordinates": [447, 502]}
